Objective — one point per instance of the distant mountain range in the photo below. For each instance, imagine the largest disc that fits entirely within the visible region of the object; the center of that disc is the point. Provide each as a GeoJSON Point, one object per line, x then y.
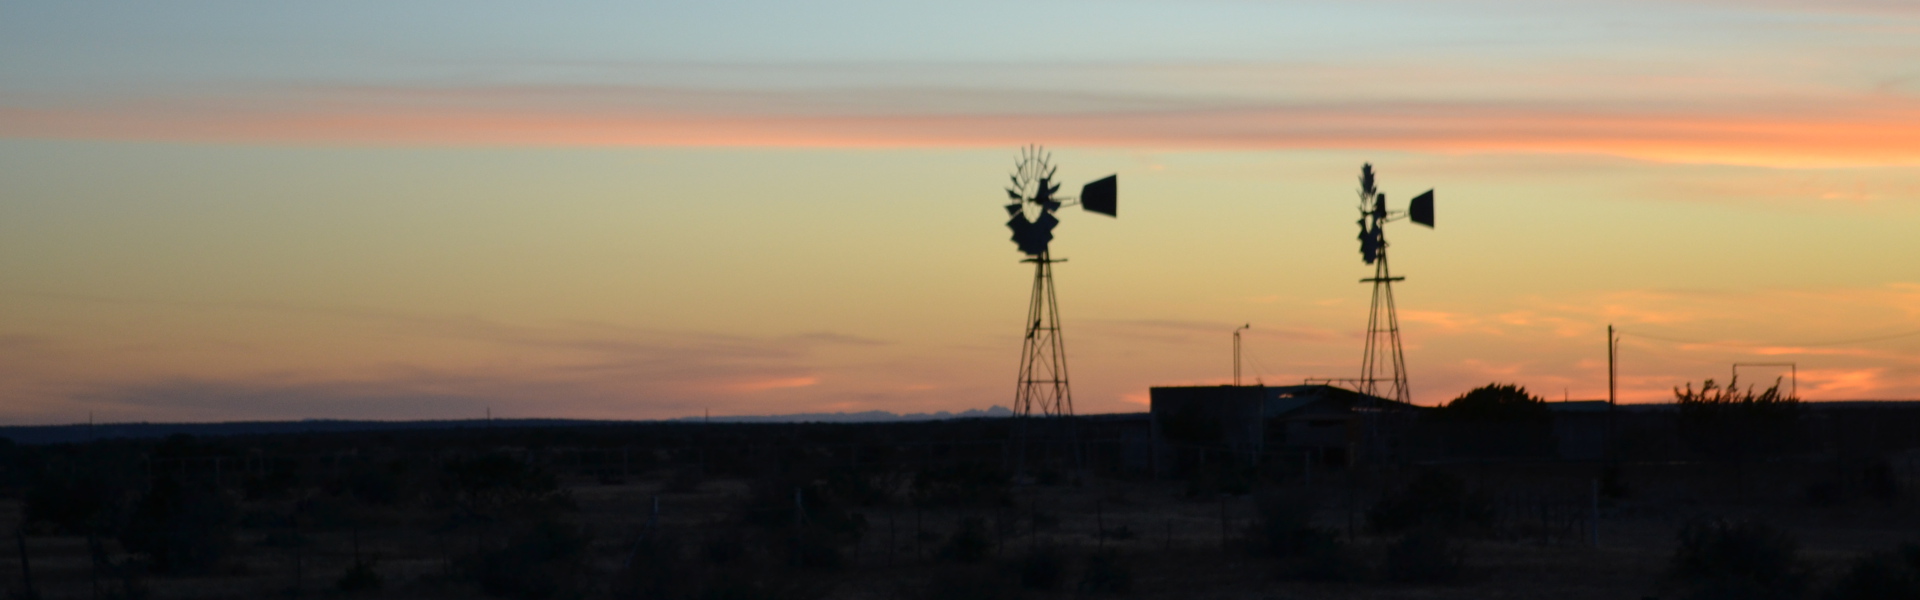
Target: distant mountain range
{"type": "Point", "coordinates": [82, 432]}
{"type": "Point", "coordinates": [871, 416]}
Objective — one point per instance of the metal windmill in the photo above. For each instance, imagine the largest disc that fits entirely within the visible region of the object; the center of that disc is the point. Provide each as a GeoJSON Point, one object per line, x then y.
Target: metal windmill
{"type": "Point", "coordinates": [1043, 386]}
{"type": "Point", "coordinates": [1383, 322]}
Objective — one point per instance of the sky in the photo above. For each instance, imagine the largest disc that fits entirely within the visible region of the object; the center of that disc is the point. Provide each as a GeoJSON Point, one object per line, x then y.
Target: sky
{"type": "Point", "coordinates": [215, 211]}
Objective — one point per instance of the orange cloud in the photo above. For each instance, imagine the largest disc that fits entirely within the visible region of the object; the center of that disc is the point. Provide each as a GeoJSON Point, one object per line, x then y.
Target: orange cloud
{"type": "Point", "coordinates": [778, 383]}
{"type": "Point", "coordinates": [1866, 130]}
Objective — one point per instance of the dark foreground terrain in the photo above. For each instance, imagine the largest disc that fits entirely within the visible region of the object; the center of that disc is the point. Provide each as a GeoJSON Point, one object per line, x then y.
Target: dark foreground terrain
{"type": "Point", "coordinates": [932, 510]}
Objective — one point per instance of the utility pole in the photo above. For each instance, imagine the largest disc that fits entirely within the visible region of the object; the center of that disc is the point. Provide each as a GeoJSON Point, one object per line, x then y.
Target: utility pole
{"type": "Point", "coordinates": [1613, 352]}
{"type": "Point", "coordinates": [1236, 353]}
{"type": "Point", "coordinates": [1613, 373]}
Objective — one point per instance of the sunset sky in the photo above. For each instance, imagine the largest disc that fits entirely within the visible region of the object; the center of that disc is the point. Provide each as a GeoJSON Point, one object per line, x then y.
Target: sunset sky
{"type": "Point", "coordinates": [243, 210]}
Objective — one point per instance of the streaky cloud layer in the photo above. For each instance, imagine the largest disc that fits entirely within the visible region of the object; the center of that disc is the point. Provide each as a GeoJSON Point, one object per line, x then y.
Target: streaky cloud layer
{"type": "Point", "coordinates": [1879, 130]}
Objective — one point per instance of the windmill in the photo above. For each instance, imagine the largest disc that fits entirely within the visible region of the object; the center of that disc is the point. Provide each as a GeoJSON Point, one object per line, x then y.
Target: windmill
{"type": "Point", "coordinates": [1043, 387]}
{"type": "Point", "coordinates": [1383, 323]}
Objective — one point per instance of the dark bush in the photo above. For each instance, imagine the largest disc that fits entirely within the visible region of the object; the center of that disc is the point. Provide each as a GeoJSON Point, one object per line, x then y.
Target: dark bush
{"type": "Point", "coordinates": [1425, 556]}
{"type": "Point", "coordinates": [970, 542]}
{"type": "Point", "coordinates": [1285, 531]}
{"type": "Point", "coordinates": [360, 577]}
{"type": "Point", "coordinates": [277, 481]}
{"type": "Point", "coordinates": [1496, 421]}
{"type": "Point", "coordinates": [1284, 521]}
{"type": "Point", "coordinates": [781, 502]}
{"type": "Point", "coordinates": [71, 502]}
{"type": "Point", "coordinates": [1435, 499]}
{"type": "Point", "coordinates": [1220, 477]}
{"type": "Point", "coordinates": [1613, 483]}
{"type": "Point", "coordinates": [1494, 403]}
{"type": "Point", "coordinates": [373, 483]}
{"type": "Point", "coordinates": [763, 587]}
{"type": "Point", "coordinates": [686, 480]}
{"type": "Point", "coordinates": [1044, 569]}
{"type": "Point", "coordinates": [1848, 481]}
{"type": "Point", "coordinates": [1880, 576]}
{"type": "Point", "coordinates": [656, 567]}
{"type": "Point", "coordinates": [546, 560]}
{"type": "Point", "coordinates": [1721, 557]}
{"type": "Point", "coordinates": [967, 583]}
{"type": "Point", "coordinates": [962, 485]}
{"type": "Point", "coordinates": [817, 548]}
{"type": "Point", "coordinates": [498, 485]}
{"type": "Point", "coordinates": [1322, 557]}
{"type": "Point", "coordinates": [182, 528]}
{"type": "Point", "coordinates": [1107, 573]}
{"type": "Point", "coordinates": [1733, 424]}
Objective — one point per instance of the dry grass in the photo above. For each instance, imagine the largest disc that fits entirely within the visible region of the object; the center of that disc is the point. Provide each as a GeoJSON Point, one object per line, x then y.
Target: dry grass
{"type": "Point", "coordinates": [1173, 543]}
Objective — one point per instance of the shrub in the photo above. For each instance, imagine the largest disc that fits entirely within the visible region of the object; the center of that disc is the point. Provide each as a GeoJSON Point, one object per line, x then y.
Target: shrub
{"type": "Point", "coordinates": [181, 527]}
{"type": "Point", "coordinates": [1848, 481]}
{"type": "Point", "coordinates": [817, 548]}
{"type": "Point", "coordinates": [546, 560]}
{"type": "Point", "coordinates": [1321, 557]}
{"type": "Point", "coordinates": [1044, 569]}
{"type": "Point", "coordinates": [1883, 575]}
{"type": "Point", "coordinates": [1425, 556]}
{"type": "Point", "coordinates": [1729, 423]}
{"type": "Point", "coordinates": [1613, 483]}
{"type": "Point", "coordinates": [1435, 499]}
{"type": "Point", "coordinates": [500, 485]}
{"type": "Point", "coordinates": [962, 485]}
{"type": "Point", "coordinates": [686, 480]}
{"type": "Point", "coordinates": [1220, 477]}
{"type": "Point", "coordinates": [969, 542]}
{"type": "Point", "coordinates": [968, 583]}
{"type": "Point", "coordinates": [360, 577]}
{"type": "Point", "coordinates": [1283, 521]}
{"type": "Point", "coordinates": [71, 503]}
{"type": "Point", "coordinates": [1107, 573]}
{"type": "Point", "coordinates": [1496, 421]}
{"type": "Point", "coordinates": [1494, 403]}
{"type": "Point", "coordinates": [761, 587]}
{"type": "Point", "coordinates": [1733, 557]}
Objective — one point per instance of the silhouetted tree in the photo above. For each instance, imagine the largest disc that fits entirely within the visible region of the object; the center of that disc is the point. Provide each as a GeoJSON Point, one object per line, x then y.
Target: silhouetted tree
{"type": "Point", "coordinates": [1494, 402]}
{"type": "Point", "coordinates": [1497, 420]}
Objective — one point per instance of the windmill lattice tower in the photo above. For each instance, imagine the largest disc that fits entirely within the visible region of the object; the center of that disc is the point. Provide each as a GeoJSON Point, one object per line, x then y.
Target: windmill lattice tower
{"type": "Point", "coordinates": [1383, 350]}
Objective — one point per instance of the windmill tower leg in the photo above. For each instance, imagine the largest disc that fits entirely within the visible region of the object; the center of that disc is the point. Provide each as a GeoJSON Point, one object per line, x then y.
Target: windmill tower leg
{"type": "Point", "coordinates": [1383, 337]}
{"type": "Point", "coordinates": [1043, 390]}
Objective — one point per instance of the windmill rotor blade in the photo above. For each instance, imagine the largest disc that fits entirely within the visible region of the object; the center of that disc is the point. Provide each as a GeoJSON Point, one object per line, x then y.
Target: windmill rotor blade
{"type": "Point", "coordinates": [1102, 196]}
{"type": "Point", "coordinates": [1421, 210]}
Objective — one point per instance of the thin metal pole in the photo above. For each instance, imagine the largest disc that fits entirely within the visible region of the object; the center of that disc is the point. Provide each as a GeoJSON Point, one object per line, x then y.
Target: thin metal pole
{"type": "Point", "coordinates": [1594, 516]}
{"type": "Point", "coordinates": [1613, 372]}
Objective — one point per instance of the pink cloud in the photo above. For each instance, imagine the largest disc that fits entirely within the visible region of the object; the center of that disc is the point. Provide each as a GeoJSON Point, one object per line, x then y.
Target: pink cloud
{"type": "Point", "coordinates": [1864, 130]}
{"type": "Point", "coordinates": [777, 383]}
